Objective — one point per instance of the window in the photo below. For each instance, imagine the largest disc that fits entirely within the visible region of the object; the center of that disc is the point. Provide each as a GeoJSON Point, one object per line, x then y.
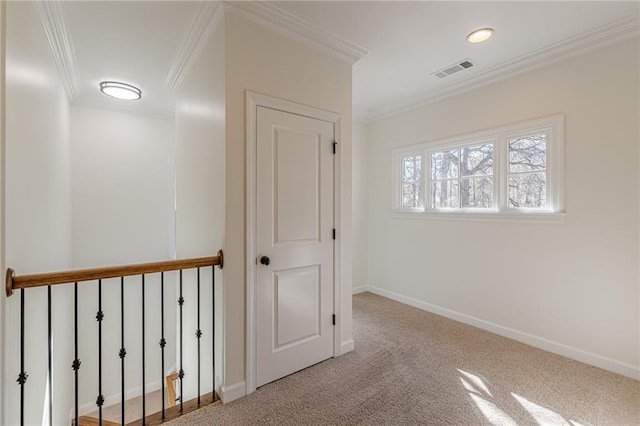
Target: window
{"type": "Point", "coordinates": [527, 174]}
{"type": "Point", "coordinates": [462, 177]}
{"type": "Point", "coordinates": [411, 178]}
{"type": "Point", "coordinates": [510, 171]}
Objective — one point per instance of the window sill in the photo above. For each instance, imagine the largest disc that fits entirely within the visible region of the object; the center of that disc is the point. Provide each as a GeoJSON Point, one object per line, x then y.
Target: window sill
{"type": "Point", "coordinates": [524, 217]}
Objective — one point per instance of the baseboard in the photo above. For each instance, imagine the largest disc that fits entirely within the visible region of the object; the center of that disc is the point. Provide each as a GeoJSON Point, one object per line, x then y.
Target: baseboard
{"type": "Point", "coordinates": [360, 289]}
{"type": "Point", "coordinates": [233, 392]}
{"type": "Point", "coordinates": [346, 347]}
{"type": "Point", "coordinates": [590, 358]}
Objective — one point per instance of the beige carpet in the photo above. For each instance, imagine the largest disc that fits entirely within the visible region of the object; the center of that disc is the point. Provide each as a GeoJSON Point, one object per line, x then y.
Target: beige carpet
{"type": "Point", "coordinates": [412, 367]}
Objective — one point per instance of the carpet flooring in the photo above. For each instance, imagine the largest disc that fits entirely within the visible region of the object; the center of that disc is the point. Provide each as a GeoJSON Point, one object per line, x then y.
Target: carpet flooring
{"type": "Point", "coordinates": [413, 367]}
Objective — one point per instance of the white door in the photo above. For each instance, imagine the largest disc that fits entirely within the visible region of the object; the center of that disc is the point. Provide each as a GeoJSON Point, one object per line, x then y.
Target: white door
{"type": "Point", "coordinates": [294, 243]}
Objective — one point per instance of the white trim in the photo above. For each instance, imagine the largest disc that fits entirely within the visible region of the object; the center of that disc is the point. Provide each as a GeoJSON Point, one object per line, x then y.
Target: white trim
{"type": "Point", "coordinates": [397, 155]}
{"type": "Point", "coordinates": [232, 392]}
{"type": "Point", "coordinates": [253, 100]}
{"type": "Point", "coordinates": [613, 32]}
{"type": "Point", "coordinates": [590, 358]}
{"type": "Point", "coordinates": [158, 114]}
{"type": "Point", "coordinates": [337, 246]}
{"type": "Point", "coordinates": [347, 346]}
{"type": "Point", "coordinates": [204, 23]}
{"type": "Point", "coordinates": [359, 289]}
{"type": "Point", "coordinates": [483, 216]}
{"type": "Point", "coordinates": [297, 29]}
{"type": "Point", "coordinates": [61, 45]}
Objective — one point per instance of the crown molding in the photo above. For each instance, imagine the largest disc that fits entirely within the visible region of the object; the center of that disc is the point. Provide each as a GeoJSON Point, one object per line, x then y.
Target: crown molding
{"type": "Point", "coordinates": [156, 113]}
{"type": "Point", "coordinates": [293, 27]}
{"type": "Point", "coordinates": [204, 23]}
{"type": "Point", "coordinates": [614, 32]}
{"type": "Point", "coordinates": [60, 43]}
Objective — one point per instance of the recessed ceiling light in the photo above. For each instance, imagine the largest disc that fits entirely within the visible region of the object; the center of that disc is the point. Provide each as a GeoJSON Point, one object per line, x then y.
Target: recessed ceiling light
{"type": "Point", "coordinates": [478, 36]}
{"type": "Point", "coordinates": [120, 90]}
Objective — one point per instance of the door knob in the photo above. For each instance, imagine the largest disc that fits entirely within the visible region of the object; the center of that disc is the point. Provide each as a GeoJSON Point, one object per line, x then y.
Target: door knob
{"type": "Point", "coordinates": [265, 260]}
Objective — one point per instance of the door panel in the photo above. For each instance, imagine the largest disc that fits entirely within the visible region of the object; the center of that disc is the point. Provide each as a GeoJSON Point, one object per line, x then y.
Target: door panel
{"type": "Point", "coordinates": [297, 195]}
{"type": "Point", "coordinates": [294, 230]}
{"type": "Point", "coordinates": [296, 295]}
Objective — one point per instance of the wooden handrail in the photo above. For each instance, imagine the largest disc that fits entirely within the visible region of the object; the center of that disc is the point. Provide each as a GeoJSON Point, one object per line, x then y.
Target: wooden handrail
{"type": "Point", "coordinates": [14, 282]}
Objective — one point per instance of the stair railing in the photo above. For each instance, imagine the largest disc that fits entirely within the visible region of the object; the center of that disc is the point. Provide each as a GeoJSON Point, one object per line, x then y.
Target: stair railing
{"type": "Point", "coordinates": [25, 282]}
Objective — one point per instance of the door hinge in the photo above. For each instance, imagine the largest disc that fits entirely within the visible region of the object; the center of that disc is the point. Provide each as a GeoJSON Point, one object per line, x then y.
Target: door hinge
{"type": "Point", "coordinates": [335, 146]}
{"type": "Point", "coordinates": [334, 233]}
{"type": "Point", "coordinates": [333, 319]}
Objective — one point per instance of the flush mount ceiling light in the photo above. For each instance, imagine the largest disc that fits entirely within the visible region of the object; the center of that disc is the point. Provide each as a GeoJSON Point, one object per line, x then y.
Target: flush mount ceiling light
{"type": "Point", "coordinates": [478, 36]}
{"type": "Point", "coordinates": [120, 90]}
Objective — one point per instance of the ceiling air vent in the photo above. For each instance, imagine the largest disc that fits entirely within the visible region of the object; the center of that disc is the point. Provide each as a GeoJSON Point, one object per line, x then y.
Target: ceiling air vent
{"type": "Point", "coordinates": [452, 69]}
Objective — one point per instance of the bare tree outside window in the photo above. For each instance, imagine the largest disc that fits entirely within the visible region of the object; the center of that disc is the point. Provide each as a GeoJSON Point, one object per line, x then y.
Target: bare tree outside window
{"type": "Point", "coordinates": [411, 181]}
{"type": "Point", "coordinates": [462, 178]}
{"type": "Point", "coordinates": [527, 174]}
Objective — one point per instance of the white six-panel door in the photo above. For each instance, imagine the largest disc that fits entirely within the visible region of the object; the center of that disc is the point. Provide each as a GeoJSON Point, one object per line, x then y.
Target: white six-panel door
{"type": "Point", "coordinates": [294, 230]}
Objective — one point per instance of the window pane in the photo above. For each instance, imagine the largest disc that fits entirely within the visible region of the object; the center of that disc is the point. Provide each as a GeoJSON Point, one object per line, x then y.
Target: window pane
{"type": "Point", "coordinates": [528, 190]}
{"type": "Point", "coordinates": [444, 164]}
{"type": "Point", "coordinates": [528, 154]}
{"type": "Point", "coordinates": [444, 194]}
{"type": "Point", "coordinates": [476, 193]}
{"type": "Point", "coordinates": [476, 160]}
{"type": "Point", "coordinates": [411, 195]}
{"type": "Point", "coordinates": [411, 168]}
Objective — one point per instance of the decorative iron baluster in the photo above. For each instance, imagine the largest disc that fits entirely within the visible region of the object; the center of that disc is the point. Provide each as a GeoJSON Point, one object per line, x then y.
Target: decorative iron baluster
{"type": "Point", "coordinates": [213, 331]}
{"type": "Point", "coordinates": [76, 362]}
{"type": "Point", "coordinates": [163, 342]}
{"type": "Point", "coordinates": [123, 352]}
{"type": "Point", "coordinates": [144, 413]}
{"type": "Point", "coordinates": [50, 353]}
{"type": "Point", "coordinates": [181, 372]}
{"type": "Point", "coordinates": [99, 318]}
{"type": "Point", "coordinates": [198, 331]}
{"type": "Point", "coordinates": [22, 377]}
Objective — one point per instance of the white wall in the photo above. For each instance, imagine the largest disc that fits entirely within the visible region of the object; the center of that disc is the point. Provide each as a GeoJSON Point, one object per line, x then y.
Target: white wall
{"type": "Point", "coordinates": [359, 204]}
{"type": "Point", "coordinates": [262, 61]}
{"type": "Point", "coordinates": [3, 26]}
{"type": "Point", "coordinates": [122, 199]}
{"type": "Point", "coordinates": [121, 186]}
{"type": "Point", "coordinates": [584, 296]}
{"type": "Point", "coordinates": [38, 211]}
{"type": "Point", "coordinates": [200, 189]}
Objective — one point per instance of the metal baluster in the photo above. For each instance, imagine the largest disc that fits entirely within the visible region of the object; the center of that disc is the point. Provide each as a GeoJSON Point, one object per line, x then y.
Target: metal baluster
{"type": "Point", "coordinates": [22, 377]}
{"type": "Point", "coordinates": [123, 352]}
{"type": "Point", "coordinates": [163, 342]}
{"type": "Point", "coordinates": [76, 361]}
{"type": "Point", "coordinates": [198, 333]}
{"type": "Point", "coordinates": [99, 318]}
{"type": "Point", "coordinates": [143, 380]}
{"type": "Point", "coordinates": [213, 332]}
{"type": "Point", "coordinates": [181, 373]}
{"type": "Point", "coordinates": [50, 352]}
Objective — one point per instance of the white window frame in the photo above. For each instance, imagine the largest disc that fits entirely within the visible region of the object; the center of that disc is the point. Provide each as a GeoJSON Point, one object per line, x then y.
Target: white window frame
{"type": "Point", "coordinates": [397, 193]}
{"type": "Point", "coordinates": [552, 127]}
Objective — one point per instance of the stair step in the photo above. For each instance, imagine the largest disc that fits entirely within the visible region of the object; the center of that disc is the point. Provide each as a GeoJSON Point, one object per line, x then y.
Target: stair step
{"type": "Point", "coordinates": [92, 421]}
{"type": "Point", "coordinates": [156, 418]}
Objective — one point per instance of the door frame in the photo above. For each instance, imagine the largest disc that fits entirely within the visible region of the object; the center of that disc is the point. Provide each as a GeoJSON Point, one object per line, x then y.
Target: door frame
{"type": "Point", "coordinates": [253, 101]}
